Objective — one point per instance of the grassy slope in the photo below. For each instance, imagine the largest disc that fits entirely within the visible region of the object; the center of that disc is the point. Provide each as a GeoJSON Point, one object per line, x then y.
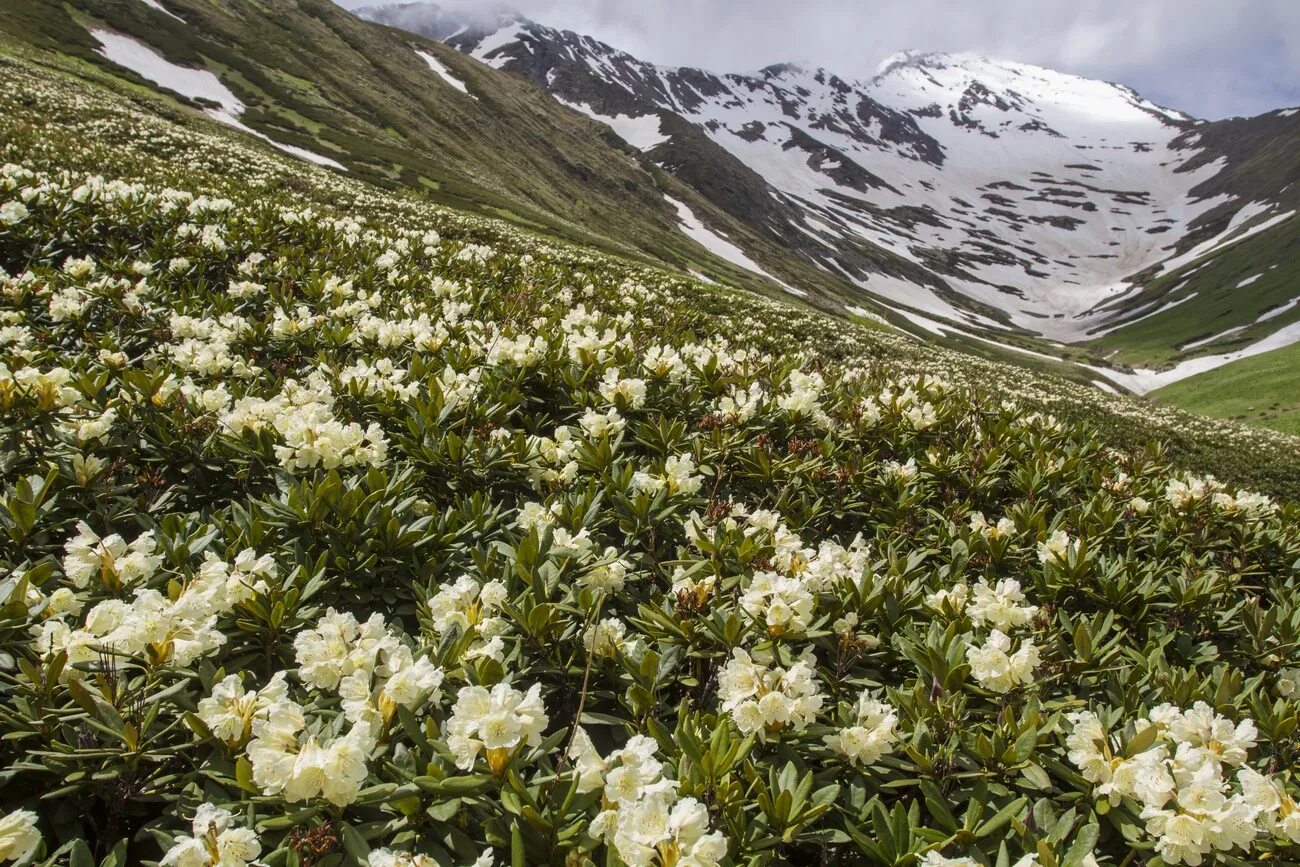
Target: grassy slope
{"type": "Point", "coordinates": [357, 92]}
{"type": "Point", "coordinates": [78, 139]}
{"type": "Point", "coordinates": [1263, 390]}
{"type": "Point", "coordinates": [314, 76]}
{"type": "Point", "coordinates": [1219, 303]}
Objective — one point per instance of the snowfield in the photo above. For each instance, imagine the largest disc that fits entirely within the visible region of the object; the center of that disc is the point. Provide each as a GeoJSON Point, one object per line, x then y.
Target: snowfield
{"type": "Point", "coordinates": [194, 84]}
{"type": "Point", "coordinates": [1041, 193]}
{"type": "Point", "coordinates": [444, 73]}
{"type": "Point", "coordinates": [719, 246]}
{"type": "Point", "coordinates": [641, 132]}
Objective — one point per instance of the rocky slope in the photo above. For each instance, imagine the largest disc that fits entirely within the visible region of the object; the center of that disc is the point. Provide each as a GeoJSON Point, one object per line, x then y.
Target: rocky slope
{"type": "Point", "coordinates": [957, 189]}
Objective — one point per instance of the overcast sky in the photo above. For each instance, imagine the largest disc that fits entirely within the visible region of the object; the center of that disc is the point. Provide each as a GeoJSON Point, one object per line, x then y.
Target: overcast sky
{"type": "Point", "coordinates": [1210, 58]}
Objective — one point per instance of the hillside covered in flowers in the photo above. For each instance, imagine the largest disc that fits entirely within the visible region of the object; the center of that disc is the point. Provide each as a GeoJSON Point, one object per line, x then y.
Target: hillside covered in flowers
{"type": "Point", "coordinates": [341, 529]}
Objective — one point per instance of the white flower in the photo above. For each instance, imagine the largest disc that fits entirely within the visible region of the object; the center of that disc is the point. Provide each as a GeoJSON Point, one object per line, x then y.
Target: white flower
{"type": "Point", "coordinates": [1003, 528]}
{"type": "Point", "coordinates": [110, 559]}
{"type": "Point", "coordinates": [608, 638]}
{"type": "Point", "coordinates": [495, 721]}
{"type": "Point", "coordinates": [996, 668]}
{"type": "Point", "coordinates": [19, 836]}
{"type": "Point", "coordinates": [1288, 683]}
{"type": "Point", "coordinates": [608, 575]}
{"type": "Point", "coordinates": [955, 596]}
{"type": "Point", "coordinates": [893, 470]}
{"type": "Point", "coordinates": [389, 858]}
{"type": "Point", "coordinates": [781, 603]}
{"type": "Point", "coordinates": [13, 212]}
{"type": "Point", "coordinates": [614, 388]}
{"type": "Point", "coordinates": [296, 766]}
{"type": "Point", "coordinates": [598, 425]}
{"type": "Point", "coordinates": [768, 698]}
{"type": "Point", "coordinates": [871, 735]}
{"type": "Point", "coordinates": [462, 604]}
{"type": "Point", "coordinates": [229, 711]}
{"type": "Point", "coordinates": [1058, 547]}
{"type": "Point", "coordinates": [999, 606]}
{"type": "Point", "coordinates": [587, 762]}
{"type": "Point", "coordinates": [214, 842]}
{"type": "Point", "coordinates": [678, 477]}
{"type": "Point", "coordinates": [1215, 735]}
{"type": "Point", "coordinates": [934, 859]}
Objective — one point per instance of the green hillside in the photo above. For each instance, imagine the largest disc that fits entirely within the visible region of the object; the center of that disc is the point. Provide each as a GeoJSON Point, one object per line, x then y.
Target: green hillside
{"type": "Point", "coordinates": [340, 528]}
{"type": "Point", "coordinates": [358, 93]}
{"type": "Point", "coordinates": [1215, 299]}
{"type": "Point", "coordinates": [1261, 390]}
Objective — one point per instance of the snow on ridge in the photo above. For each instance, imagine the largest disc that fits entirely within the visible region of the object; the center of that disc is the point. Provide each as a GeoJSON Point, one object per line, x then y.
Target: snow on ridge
{"type": "Point", "coordinates": [1230, 235]}
{"type": "Point", "coordinates": [1213, 338]}
{"type": "Point", "coordinates": [719, 246]}
{"type": "Point", "coordinates": [1062, 187]}
{"type": "Point", "coordinates": [1038, 85]}
{"type": "Point", "coordinates": [193, 84]}
{"type": "Point", "coordinates": [444, 73]}
{"type": "Point", "coordinates": [642, 131]}
{"type": "Point", "coordinates": [501, 37]}
{"type": "Point", "coordinates": [1147, 313]}
{"type": "Point", "coordinates": [1073, 179]}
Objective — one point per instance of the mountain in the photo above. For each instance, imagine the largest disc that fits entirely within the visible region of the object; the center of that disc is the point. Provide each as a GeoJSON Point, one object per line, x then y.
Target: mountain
{"type": "Point", "coordinates": [405, 113]}
{"type": "Point", "coordinates": [958, 189]}
{"type": "Point", "coordinates": [996, 208]}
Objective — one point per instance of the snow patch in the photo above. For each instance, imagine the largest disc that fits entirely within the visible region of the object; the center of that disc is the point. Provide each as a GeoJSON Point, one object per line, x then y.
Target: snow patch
{"type": "Point", "coordinates": [1160, 309]}
{"type": "Point", "coordinates": [641, 132]}
{"type": "Point", "coordinates": [1277, 311]}
{"type": "Point", "coordinates": [1229, 235]}
{"type": "Point", "coordinates": [1213, 338]}
{"type": "Point", "coordinates": [1250, 280]}
{"type": "Point", "coordinates": [493, 41]}
{"type": "Point", "coordinates": [1143, 380]}
{"type": "Point", "coordinates": [192, 83]}
{"type": "Point", "coordinates": [154, 4]}
{"type": "Point", "coordinates": [720, 246]}
{"type": "Point", "coordinates": [444, 73]}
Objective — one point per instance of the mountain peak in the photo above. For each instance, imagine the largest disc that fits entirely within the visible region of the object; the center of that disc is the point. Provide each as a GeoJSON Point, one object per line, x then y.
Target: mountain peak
{"type": "Point", "coordinates": [923, 59]}
{"type": "Point", "coordinates": [943, 78]}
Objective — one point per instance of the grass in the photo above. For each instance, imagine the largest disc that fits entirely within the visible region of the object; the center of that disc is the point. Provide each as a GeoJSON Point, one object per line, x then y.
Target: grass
{"type": "Point", "coordinates": [1263, 390]}
{"type": "Point", "coordinates": [1219, 303]}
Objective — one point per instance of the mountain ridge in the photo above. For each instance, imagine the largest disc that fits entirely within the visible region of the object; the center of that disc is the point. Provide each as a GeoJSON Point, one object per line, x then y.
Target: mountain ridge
{"type": "Point", "coordinates": [1023, 247]}
{"type": "Point", "coordinates": [791, 182]}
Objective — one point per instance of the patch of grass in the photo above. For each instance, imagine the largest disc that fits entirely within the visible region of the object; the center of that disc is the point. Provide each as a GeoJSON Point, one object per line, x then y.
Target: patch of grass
{"type": "Point", "coordinates": [1263, 390]}
{"type": "Point", "coordinates": [1213, 302]}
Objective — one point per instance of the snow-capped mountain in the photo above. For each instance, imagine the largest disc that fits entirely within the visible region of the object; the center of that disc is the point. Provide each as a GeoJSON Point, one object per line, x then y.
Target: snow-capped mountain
{"type": "Point", "coordinates": [953, 187]}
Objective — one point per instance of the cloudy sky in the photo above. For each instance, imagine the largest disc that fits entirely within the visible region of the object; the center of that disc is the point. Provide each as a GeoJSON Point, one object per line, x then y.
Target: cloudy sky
{"type": "Point", "coordinates": [1211, 58]}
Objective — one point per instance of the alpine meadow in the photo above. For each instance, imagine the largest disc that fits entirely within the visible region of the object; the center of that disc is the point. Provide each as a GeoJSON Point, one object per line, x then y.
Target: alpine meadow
{"type": "Point", "coordinates": [430, 440]}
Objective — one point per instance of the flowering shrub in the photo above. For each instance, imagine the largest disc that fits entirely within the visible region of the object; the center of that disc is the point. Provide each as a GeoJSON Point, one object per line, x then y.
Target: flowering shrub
{"type": "Point", "coordinates": [339, 529]}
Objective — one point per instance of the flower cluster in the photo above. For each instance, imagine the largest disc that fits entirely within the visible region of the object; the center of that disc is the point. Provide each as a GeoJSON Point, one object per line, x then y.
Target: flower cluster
{"type": "Point", "coordinates": [337, 526]}
{"type": "Point", "coordinates": [1183, 780]}
{"type": "Point", "coordinates": [764, 698]}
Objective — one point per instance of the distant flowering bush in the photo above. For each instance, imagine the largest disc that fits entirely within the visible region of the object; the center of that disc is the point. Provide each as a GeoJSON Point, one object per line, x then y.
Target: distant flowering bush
{"type": "Point", "coordinates": [339, 529]}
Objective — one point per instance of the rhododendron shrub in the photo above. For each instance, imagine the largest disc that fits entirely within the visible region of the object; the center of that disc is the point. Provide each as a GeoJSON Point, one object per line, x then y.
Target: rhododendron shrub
{"type": "Point", "coordinates": [338, 528]}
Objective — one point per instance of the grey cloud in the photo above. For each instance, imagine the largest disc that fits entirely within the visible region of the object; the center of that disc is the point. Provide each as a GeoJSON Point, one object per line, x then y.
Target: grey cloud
{"type": "Point", "coordinates": [1211, 58]}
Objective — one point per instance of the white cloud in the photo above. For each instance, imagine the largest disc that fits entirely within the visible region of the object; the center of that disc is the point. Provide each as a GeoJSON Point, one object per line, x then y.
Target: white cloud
{"type": "Point", "coordinates": [1211, 58]}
